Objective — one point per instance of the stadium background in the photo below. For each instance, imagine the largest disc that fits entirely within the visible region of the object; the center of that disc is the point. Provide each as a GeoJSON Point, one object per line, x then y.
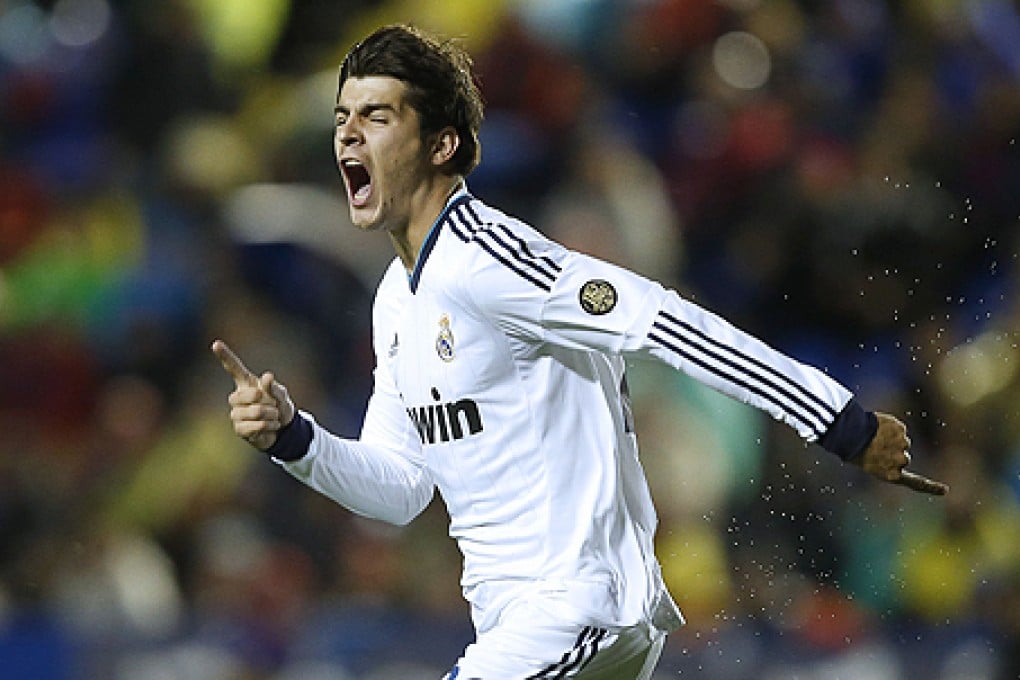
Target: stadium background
{"type": "Point", "coordinates": [841, 178]}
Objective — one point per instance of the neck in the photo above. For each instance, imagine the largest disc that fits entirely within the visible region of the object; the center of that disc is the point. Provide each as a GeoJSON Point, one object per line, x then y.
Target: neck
{"type": "Point", "coordinates": [426, 205]}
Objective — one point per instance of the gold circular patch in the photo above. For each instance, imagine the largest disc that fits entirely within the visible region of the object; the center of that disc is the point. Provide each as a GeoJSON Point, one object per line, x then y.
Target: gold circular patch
{"type": "Point", "coordinates": [597, 297]}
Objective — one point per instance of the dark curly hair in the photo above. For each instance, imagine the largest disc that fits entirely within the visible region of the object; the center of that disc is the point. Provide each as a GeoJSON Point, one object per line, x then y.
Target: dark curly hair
{"type": "Point", "coordinates": [440, 86]}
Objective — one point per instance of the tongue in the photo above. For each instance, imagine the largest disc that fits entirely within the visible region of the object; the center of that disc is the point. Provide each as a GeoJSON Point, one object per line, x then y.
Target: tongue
{"type": "Point", "coordinates": [361, 195]}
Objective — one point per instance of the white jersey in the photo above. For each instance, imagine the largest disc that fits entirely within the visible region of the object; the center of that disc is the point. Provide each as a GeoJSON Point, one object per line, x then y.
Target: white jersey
{"type": "Point", "coordinates": [499, 381]}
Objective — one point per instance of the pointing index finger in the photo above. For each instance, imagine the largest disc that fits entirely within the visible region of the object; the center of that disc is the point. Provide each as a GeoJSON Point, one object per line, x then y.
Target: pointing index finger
{"type": "Point", "coordinates": [233, 364]}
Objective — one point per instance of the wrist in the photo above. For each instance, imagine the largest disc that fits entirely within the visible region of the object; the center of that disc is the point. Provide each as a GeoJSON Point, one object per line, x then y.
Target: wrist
{"type": "Point", "coordinates": [293, 440]}
{"type": "Point", "coordinates": [850, 432]}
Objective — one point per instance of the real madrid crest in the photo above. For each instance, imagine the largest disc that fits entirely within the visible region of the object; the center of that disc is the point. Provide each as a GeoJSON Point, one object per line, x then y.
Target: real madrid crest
{"type": "Point", "coordinates": [444, 341]}
{"type": "Point", "coordinates": [597, 297]}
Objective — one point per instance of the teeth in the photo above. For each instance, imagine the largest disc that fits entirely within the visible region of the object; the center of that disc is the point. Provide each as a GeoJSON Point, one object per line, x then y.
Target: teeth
{"type": "Point", "coordinates": [358, 180]}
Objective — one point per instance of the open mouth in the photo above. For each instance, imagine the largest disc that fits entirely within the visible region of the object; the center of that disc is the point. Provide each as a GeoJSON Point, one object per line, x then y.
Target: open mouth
{"type": "Point", "coordinates": [359, 181]}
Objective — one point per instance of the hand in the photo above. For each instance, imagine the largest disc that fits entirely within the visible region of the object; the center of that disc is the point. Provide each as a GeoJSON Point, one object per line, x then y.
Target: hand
{"type": "Point", "coordinates": [259, 406]}
{"type": "Point", "coordinates": [888, 456]}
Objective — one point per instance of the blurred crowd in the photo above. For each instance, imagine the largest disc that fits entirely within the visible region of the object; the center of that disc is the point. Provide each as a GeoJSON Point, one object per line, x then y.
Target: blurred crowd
{"type": "Point", "coordinates": [840, 177]}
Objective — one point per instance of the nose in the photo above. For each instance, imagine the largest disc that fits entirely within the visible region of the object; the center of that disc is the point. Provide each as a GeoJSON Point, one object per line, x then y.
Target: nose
{"type": "Point", "coordinates": [347, 134]}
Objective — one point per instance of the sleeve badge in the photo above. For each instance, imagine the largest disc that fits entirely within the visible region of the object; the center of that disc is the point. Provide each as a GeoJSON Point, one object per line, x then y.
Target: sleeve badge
{"type": "Point", "coordinates": [597, 297]}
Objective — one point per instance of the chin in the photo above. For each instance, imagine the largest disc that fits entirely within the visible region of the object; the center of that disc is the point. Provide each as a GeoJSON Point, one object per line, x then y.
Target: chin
{"type": "Point", "coordinates": [364, 219]}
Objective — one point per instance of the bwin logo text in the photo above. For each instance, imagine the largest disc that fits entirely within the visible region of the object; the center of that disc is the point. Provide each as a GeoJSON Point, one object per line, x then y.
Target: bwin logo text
{"type": "Point", "coordinates": [446, 422]}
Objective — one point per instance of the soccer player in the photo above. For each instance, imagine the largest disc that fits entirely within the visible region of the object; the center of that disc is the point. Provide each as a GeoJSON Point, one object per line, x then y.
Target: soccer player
{"type": "Point", "coordinates": [499, 381]}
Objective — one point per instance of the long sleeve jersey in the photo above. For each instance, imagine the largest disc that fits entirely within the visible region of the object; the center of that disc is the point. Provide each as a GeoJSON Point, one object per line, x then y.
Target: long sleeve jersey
{"type": "Point", "coordinates": [500, 382]}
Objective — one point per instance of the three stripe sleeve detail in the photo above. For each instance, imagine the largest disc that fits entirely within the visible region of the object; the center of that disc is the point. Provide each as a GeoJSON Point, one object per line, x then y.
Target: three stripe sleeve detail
{"type": "Point", "coordinates": [504, 246]}
{"type": "Point", "coordinates": [743, 370]}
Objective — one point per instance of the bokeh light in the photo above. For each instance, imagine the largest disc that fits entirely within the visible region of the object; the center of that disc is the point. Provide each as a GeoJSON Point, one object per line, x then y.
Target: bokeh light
{"type": "Point", "coordinates": [741, 60]}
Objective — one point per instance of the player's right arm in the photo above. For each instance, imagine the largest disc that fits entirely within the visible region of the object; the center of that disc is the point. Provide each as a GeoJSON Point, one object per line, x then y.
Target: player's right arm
{"type": "Point", "coordinates": [380, 475]}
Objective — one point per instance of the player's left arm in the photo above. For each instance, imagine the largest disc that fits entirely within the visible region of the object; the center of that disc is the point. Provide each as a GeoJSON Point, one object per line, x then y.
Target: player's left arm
{"type": "Point", "coordinates": [600, 306]}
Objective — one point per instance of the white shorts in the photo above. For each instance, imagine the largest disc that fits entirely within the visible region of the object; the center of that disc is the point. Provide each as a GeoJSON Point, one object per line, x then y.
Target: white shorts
{"type": "Point", "coordinates": [527, 644]}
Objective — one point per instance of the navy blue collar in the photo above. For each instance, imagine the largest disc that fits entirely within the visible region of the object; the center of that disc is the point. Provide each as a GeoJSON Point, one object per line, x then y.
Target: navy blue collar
{"type": "Point", "coordinates": [458, 198]}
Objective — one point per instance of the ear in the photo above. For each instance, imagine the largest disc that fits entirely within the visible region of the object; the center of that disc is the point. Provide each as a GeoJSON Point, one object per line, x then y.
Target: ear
{"type": "Point", "coordinates": [444, 146]}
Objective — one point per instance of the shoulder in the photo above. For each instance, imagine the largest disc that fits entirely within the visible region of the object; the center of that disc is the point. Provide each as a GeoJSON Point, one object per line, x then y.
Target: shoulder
{"type": "Point", "coordinates": [473, 217]}
{"type": "Point", "coordinates": [490, 239]}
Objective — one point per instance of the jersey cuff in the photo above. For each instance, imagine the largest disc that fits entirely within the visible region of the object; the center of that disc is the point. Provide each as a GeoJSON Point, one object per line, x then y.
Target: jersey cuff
{"type": "Point", "coordinates": [851, 431]}
{"type": "Point", "coordinates": [292, 442]}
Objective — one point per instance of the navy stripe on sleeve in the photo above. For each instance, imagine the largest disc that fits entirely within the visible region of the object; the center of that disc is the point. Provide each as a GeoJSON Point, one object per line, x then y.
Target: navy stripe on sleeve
{"type": "Point", "coordinates": [743, 370]}
{"type": "Point", "coordinates": [817, 407]}
{"type": "Point", "coordinates": [502, 244]}
{"type": "Point", "coordinates": [729, 377]}
{"type": "Point", "coordinates": [523, 246]}
{"type": "Point", "coordinates": [510, 265]}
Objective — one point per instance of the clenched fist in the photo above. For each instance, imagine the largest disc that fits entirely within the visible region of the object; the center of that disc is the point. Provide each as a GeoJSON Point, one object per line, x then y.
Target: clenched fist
{"type": "Point", "coordinates": [259, 405]}
{"type": "Point", "coordinates": [888, 456]}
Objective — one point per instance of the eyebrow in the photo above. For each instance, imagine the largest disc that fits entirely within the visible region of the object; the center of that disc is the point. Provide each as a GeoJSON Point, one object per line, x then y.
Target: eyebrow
{"type": "Point", "coordinates": [365, 109]}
